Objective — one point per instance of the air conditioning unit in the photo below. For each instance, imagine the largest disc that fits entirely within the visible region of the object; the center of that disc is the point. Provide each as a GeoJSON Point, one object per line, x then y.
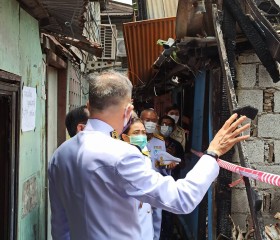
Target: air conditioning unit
{"type": "Point", "coordinates": [121, 51]}
{"type": "Point", "coordinates": [107, 34]}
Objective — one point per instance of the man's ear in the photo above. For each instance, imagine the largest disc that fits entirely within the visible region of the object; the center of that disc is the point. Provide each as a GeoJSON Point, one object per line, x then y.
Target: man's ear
{"type": "Point", "coordinates": [130, 108]}
{"type": "Point", "coordinates": [88, 106]}
{"type": "Point", "coordinates": [80, 127]}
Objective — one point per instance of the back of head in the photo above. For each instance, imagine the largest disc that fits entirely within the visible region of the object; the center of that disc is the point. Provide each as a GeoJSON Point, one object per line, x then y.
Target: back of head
{"type": "Point", "coordinates": [108, 89]}
{"type": "Point", "coordinates": [166, 117]}
{"type": "Point", "coordinates": [173, 107]}
{"type": "Point", "coordinates": [74, 117]}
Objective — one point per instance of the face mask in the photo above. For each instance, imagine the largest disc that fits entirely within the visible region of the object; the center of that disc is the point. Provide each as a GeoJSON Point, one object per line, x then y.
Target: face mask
{"type": "Point", "coordinates": [166, 130]}
{"type": "Point", "coordinates": [150, 127]}
{"type": "Point", "coordinates": [139, 140]}
{"type": "Point", "coordinates": [175, 117]}
{"type": "Point", "coordinates": [127, 120]}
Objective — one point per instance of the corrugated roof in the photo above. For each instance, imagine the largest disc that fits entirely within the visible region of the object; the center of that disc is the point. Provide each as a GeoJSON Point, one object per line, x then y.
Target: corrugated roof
{"type": "Point", "coordinates": [141, 45]}
{"type": "Point", "coordinates": [117, 8]}
{"type": "Point", "coordinates": [161, 8]}
{"type": "Point", "coordinates": [62, 17]}
{"type": "Point", "coordinates": [65, 17]}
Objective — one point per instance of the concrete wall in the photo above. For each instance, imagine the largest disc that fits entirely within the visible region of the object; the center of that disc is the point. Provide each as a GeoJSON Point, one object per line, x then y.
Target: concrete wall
{"type": "Point", "coordinates": [20, 53]}
{"type": "Point", "coordinates": [255, 87]}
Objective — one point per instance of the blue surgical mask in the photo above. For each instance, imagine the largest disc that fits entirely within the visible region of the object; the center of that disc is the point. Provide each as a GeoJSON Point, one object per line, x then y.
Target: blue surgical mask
{"type": "Point", "coordinates": [139, 140]}
{"type": "Point", "coordinates": [166, 130]}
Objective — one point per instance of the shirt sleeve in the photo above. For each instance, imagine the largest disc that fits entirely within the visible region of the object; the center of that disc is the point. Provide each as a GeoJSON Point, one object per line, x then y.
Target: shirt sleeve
{"type": "Point", "coordinates": [180, 197]}
{"type": "Point", "coordinates": [59, 223]}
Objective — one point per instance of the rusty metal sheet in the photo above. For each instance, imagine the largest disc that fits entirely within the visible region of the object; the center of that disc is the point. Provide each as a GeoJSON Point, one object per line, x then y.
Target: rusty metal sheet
{"type": "Point", "coordinates": [161, 8]}
{"type": "Point", "coordinates": [141, 45]}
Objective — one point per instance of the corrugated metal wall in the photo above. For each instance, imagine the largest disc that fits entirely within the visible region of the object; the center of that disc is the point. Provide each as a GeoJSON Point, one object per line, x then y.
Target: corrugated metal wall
{"type": "Point", "coordinates": [161, 8]}
{"type": "Point", "coordinates": [141, 45]}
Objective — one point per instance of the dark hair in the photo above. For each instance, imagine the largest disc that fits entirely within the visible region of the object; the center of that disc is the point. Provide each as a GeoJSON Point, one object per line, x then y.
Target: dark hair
{"type": "Point", "coordinates": [166, 117]}
{"type": "Point", "coordinates": [74, 117]}
{"type": "Point", "coordinates": [173, 107]}
{"type": "Point", "coordinates": [133, 120]}
{"type": "Point", "coordinates": [108, 89]}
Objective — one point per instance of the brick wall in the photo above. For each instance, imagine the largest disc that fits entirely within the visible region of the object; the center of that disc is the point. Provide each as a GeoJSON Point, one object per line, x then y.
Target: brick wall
{"type": "Point", "coordinates": [256, 88]}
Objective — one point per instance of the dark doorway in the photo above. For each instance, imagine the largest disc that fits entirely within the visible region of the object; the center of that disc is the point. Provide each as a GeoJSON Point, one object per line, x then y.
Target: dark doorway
{"type": "Point", "coordinates": [9, 106]}
{"type": "Point", "coordinates": [5, 104]}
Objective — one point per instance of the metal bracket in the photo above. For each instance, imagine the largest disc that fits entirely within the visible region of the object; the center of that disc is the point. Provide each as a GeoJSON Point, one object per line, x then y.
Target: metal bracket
{"type": "Point", "coordinates": [248, 111]}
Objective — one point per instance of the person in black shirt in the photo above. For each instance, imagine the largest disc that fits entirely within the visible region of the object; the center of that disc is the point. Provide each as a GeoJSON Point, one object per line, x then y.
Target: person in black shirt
{"type": "Point", "coordinates": [166, 125]}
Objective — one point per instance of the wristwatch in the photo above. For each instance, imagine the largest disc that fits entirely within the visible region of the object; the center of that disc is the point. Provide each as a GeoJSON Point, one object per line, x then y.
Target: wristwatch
{"type": "Point", "coordinates": [212, 154]}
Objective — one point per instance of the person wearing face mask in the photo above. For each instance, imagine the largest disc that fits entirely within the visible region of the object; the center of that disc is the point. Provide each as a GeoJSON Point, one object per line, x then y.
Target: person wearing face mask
{"type": "Point", "coordinates": [178, 133]}
{"type": "Point", "coordinates": [166, 125]}
{"type": "Point", "coordinates": [135, 134]}
{"type": "Point", "coordinates": [97, 181]}
{"type": "Point", "coordinates": [155, 143]}
{"type": "Point", "coordinates": [149, 118]}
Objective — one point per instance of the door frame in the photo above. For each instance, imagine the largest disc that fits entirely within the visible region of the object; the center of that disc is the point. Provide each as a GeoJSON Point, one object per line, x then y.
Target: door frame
{"type": "Point", "coordinates": [10, 86]}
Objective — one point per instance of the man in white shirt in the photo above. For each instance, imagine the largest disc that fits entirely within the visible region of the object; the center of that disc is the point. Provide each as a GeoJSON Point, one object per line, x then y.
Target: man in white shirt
{"type": "Point", "coordinates": [97, 181]}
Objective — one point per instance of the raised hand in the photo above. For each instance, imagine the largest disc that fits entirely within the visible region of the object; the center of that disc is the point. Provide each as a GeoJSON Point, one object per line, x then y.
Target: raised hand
{"type": "Point", "coordinates": [229, 135]}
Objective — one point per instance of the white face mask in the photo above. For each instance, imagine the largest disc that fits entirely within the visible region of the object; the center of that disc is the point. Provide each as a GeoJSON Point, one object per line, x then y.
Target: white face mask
{"type": "Point", "coordinates": [150, 126]}
{"type": "Point", "coordinates": [175, 117]}
{"type": "Point", "coordinates": [166, 130]}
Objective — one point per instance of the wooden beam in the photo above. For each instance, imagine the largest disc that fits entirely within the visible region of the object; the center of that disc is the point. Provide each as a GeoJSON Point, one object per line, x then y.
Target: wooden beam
{"type": "Point", "coordinates": [9, 76]}
{"type": "Point", "coordinates": [92, 48]}
{"type": "Point", "coordinates": [55, 61]}
{"type": "Point", "coordinates": [61, 105]}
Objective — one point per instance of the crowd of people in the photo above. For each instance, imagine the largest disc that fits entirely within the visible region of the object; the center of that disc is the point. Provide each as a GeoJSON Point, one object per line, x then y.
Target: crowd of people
{"type": "Point", "coordinates": [119, 176]}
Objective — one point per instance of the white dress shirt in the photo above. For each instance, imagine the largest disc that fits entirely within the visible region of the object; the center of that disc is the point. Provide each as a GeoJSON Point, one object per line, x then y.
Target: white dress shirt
{"type": "Point", "coordinates": [96, 183]}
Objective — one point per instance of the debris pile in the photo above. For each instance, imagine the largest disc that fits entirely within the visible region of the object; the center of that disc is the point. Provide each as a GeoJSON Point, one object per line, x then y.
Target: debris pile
{"type": "Point", "coordinates": [272, 231]}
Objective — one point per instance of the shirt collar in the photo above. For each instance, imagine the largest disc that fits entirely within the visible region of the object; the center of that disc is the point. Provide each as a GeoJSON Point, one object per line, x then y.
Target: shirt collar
{"type": "Point", "coordinates": [98, 125]}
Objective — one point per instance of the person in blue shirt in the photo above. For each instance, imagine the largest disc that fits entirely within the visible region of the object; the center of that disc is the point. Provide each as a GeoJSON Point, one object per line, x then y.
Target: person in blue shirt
{"type": "Point", "coordinates": [97, 181]}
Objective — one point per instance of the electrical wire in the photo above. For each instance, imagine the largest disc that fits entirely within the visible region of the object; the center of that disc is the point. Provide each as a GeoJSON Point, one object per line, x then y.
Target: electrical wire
{"type": "Point", "coordinates": [184, 65]}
